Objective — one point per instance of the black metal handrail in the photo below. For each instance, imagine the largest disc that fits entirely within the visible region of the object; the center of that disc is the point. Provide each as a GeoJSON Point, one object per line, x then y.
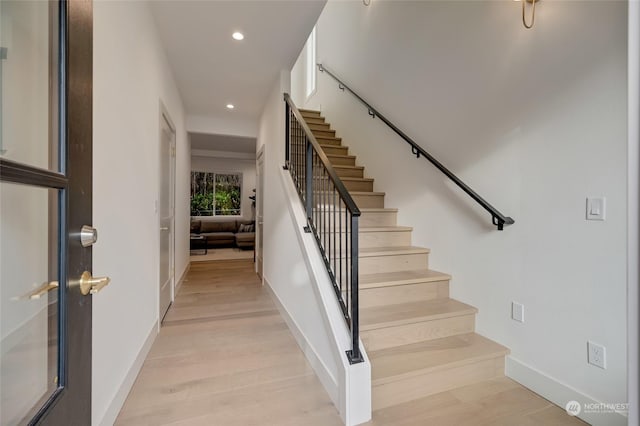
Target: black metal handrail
{"type": "Point", "coordinates": [332, 215]}
{"type": "Point", "coordinates": [497, 218]}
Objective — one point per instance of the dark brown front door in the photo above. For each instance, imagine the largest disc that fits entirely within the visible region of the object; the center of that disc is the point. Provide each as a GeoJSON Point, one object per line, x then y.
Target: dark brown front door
{"type": "Point", "coordinates": [45, 200]}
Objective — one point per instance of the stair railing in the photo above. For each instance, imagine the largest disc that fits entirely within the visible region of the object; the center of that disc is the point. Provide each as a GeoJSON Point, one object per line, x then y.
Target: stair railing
{"type": "Point", "coordinates": [332, 215]}
{"type": "Point", "coordinates": [497, 218]}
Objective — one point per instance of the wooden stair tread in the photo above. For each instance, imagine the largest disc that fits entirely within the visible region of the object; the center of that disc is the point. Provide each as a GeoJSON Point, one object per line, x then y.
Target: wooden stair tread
{"type": "Point", "coordinates": [385, 229]}
{"type": "Point", "coordinates": [376, 229]}
{"type": "Point", "coordinates": [336, 138]}
{"type": "Point", "coordinates": [346, 166]}
{"type": "Point", "coordinates": [397, 363]}
{"type": "Point", "coordinates": [385, 279]}
{"type": "Point", "coordinates": [358, 193]}
{"type": "Point", "coordinates": [329, 130]}
{"type": "Point", "coordinates": [390, 251]}
{"type": "Point", "coordinates": [377, 194]}
{"type": "Point", "coordinates": [320, 126]}
{"type": "Point", "coordinates": [356, 179]}
{"type": "Point", "coordinates": [341, 156]}
{"type": "Point", "coordinates": [373, 210]}
{"type": "Point", "coordinates": [412, 312]}
{"type": "Point", "coordinates": [311, 111]}
{"type": "Point", "coordinates": [323, 146]}
{"type": "Point", "coordinates": [379, 210]}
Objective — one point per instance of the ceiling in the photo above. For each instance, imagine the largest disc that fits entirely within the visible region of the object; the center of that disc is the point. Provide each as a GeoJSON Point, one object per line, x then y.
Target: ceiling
{"type": "Point", "coordinates": [211, 69]}
{"type": "Point", "coordinates": [226, 143]}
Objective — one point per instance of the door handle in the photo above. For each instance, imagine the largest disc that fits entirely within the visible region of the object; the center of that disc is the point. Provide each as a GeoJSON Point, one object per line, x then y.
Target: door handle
{"type": "Point", "coordinates": [92, 285]}
{"type": "Point", "coordinates": [42, 290]}
{"type": "Point", "coordinates": [164, 228]}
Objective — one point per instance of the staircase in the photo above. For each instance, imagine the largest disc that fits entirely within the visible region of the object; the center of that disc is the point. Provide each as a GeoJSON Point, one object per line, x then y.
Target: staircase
{"type": "Point", "coordinates": [419, 340]}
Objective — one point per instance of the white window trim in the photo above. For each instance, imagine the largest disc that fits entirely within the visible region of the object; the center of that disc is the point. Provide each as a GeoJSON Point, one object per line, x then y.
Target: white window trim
{"type": "Point", "coordinates": [310, 66]}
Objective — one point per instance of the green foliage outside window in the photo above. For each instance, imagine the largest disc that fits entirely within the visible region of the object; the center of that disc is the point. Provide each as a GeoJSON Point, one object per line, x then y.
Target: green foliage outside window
{"type": "Point", "coordinates": [216, 194]}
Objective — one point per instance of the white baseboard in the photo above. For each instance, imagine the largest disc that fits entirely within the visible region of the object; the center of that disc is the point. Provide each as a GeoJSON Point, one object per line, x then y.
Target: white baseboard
{"type": "Point", "coordinates": [328, 381]}
{"type": "Point", "coordinates": [120, 397]}
{"type": "Point", "coordinates": [181, 280]}
{"type": "Point", "coordinates": [559, 393]}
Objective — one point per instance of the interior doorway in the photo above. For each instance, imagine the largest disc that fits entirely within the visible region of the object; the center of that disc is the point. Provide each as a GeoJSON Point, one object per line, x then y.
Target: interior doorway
{"type": "Point", "coordinates": [166, 213]}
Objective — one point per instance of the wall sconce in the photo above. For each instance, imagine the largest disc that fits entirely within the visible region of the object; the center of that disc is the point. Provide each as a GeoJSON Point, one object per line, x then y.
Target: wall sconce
{"type": "Point", "coordinates": [533, 12]}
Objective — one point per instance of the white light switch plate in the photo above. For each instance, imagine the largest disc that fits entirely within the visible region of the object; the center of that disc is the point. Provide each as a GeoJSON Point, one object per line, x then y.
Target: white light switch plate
{"type": "Point", "coordinates": [596, 208]}
{"type": "Point", "coordinates": [517, 311]}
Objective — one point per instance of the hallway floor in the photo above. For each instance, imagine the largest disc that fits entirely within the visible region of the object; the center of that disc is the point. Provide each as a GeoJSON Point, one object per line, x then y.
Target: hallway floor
{"type": "Point", "coordinates": [224, 356]}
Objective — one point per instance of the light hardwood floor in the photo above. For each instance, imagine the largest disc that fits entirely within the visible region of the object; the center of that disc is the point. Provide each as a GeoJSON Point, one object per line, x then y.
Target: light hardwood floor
{"type": "Point", "coordinates": [224, 356]}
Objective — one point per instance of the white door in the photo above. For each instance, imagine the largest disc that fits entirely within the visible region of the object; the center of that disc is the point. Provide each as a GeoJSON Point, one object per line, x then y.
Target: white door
{"type": "Point", "coordinates": [259, 210]}
{"type": "Point", "coordinates": [166, 213]}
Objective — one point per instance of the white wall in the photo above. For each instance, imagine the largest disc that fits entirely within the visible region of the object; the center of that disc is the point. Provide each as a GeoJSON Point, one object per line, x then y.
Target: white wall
{"type": "Point", "coordinates": [535, 121]}
{"type": "Point", "coordinates": [131, 79]}
{"type": "Point", "coordinates": [231, 165]}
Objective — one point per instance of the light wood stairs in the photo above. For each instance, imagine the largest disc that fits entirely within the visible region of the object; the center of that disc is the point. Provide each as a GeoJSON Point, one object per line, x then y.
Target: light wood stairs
{"type": "Point", "coordinates": [419, 340]}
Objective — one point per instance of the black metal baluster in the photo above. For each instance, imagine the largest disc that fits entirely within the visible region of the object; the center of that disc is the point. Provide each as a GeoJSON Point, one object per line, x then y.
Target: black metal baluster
{"type": "Point", "coordinates": [355, 312]}
{"type": "Point", "coordinates": [333, 234]}
{"type": "Point", "coordinates": [340, 250]}
{"type": "Point", "coordinates": [324, 196]}
{"type": "Point", "coordinates": [286, 136]}
{"type": "Point", "coordinates": [309, 177]}
{"type": "Point", "coordinates": [347, 265]}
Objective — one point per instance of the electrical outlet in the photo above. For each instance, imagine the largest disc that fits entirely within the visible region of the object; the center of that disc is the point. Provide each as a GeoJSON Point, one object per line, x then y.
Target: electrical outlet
{"type": "Point", "coordinates": [597, 355]}
{"type": "Point", "coordinates": [517, 311]}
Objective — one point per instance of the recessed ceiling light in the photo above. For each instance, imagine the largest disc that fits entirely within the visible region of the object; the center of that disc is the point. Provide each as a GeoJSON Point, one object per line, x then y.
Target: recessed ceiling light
{"type": "Point", "coordinates": [230, 106]}
{"type": "Point", "coordinates": [237, 36]}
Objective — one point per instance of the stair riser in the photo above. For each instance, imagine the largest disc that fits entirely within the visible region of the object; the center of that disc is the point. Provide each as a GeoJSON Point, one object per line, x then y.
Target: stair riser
{"type": "Point", "coordinates": [367, 240]}
{"type": "Point", "coordinates": [417, 387]}
{"type": "Point", "coordinates": [325, 133]}
{"type": "Point", "coordinates": [379, 219]}
{"type": "Point", "coordinates": [350, 172]}
{"type": "Point", "coordinates": [329, 141]}
{"type": "Point", "coordinates": [382, 218]}
{"type": "Point", "coordinates": [314, 120]}
{"type": "Point", "coordinates": [311, 114]}
{"type": "Point", "coordinates": [376, 264]}
{"type": "Point", "coordinates": [394, 263]}
{"type": "Point", "coordinates": [335, 150]}
{"type": "Point", "coordinates": [407, 334]}
{"type": "Point", "coordinates": [361, 186]}
{"type": "Point", "coordinates": [395, 294]}
{"type": "Point", "coordinates": [343, 161]}
{"type": "Point", "coordinates": [385, 239]}
{"type": "Point", "coordinates": [319, 126]}
{"type": "Point", "coordinates": [368, 201]}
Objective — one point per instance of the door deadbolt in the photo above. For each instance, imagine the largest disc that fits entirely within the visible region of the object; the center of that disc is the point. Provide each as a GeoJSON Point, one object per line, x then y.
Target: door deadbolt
{"type": "Point", "coordinates": [88, 235]}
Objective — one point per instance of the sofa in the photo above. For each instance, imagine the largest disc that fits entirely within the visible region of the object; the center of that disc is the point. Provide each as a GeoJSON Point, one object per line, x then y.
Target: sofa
{"type": "Point", "coordinates": [228, 233]}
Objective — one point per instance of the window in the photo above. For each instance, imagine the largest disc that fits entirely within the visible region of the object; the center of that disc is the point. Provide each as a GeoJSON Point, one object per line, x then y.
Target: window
{"type": "Point", "coordinates": [311, 64]}
{"type": "Point", "coordinates": [216, 194]}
